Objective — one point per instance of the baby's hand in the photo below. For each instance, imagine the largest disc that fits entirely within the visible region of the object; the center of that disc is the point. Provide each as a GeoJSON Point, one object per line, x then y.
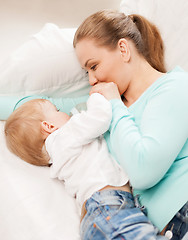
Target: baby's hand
{"type": "Point", "coordinates": [108, 90]}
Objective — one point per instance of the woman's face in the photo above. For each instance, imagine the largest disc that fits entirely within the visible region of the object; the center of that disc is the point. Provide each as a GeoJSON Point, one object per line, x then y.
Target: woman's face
{"type": "Point", "coordinates": [102, 64]}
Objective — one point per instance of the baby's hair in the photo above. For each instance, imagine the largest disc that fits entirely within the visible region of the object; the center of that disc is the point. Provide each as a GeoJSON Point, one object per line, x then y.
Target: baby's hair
{"type": "Point", "coordinates": [23, 133]}
{"type": "Point", "coordinates": [107, 27]}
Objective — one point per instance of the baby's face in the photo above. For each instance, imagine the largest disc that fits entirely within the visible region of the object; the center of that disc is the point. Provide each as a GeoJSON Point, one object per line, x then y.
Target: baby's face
{"type": "Point", "coordinates": [54, 116]}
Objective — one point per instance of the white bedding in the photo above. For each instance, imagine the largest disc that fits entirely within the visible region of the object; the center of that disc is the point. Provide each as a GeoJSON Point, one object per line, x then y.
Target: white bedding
{"type": "Point", "coordinates": [35, 207]}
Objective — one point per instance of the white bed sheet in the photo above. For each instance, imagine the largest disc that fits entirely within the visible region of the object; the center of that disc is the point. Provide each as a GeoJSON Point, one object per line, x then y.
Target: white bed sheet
{"type": "Point", "coordinates": [33, 206]}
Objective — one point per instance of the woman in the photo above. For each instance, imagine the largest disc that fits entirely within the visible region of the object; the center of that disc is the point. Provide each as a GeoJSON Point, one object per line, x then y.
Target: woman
{"type": "Point", "coordinates": [124, 57]}
{"type": "Point", "coordinates": [148, 134]}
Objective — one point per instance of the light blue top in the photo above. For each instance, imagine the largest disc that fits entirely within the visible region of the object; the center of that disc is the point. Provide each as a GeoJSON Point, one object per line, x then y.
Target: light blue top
{"type": "Point", "coordinates": [9, 103]}
{"type": "Point", "coordinates": [148, 139]}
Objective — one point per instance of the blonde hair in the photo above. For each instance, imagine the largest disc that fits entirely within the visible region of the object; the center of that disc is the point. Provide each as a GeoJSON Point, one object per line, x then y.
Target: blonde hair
{"type": "Point", "coordinates": [107, 27]}
{"type": "Point", "coordinates": [23, 133]}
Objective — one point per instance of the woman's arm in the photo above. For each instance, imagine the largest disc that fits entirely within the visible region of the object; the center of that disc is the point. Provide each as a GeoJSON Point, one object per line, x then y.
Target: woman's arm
{"type": "Point", "coordinates": [147, 150]}
{"type": "Point", "coordinates": [9, 103]}
{"type": "Point", "coordinates": [67, 104]}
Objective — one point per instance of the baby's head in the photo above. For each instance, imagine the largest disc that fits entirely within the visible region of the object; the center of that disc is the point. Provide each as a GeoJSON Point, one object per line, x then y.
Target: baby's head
{"type": "Point", "coordinates": [28, 127]}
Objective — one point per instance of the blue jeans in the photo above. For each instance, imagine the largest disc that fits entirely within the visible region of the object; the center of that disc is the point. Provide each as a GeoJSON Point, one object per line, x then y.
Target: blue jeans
{"type": "Point", "coordinates": [179, 224]}
{"type": "Point", "coordinates": [111, 214]}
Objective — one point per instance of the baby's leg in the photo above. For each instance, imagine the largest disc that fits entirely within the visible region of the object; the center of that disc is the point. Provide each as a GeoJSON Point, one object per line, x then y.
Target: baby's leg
{"type": "Point", "coordinates": [111, 214]}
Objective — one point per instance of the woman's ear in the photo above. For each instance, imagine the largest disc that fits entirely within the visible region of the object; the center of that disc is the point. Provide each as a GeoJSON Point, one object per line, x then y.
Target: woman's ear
{"type": "Point", "coordinates": [123, 46]}
{"type": "Point", "coordinates": [48, 127]}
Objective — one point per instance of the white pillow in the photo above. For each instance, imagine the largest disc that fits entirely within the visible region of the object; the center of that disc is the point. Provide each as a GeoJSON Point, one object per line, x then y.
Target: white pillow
{"type": "Point", "coordinates": [46, 64]}
{"type": "Point", "coordinates": [171, 17]}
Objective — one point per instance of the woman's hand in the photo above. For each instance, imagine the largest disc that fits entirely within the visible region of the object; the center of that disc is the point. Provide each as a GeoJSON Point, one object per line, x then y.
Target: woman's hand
{"type": "Point", "coordinates": [108, 90]}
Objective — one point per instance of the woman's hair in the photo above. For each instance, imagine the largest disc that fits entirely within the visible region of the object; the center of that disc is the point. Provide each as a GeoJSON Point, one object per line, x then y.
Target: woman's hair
{"type": "Point", "coordinates": [23, 133]}
{"type": "Point", "coordinates": [108, 27]}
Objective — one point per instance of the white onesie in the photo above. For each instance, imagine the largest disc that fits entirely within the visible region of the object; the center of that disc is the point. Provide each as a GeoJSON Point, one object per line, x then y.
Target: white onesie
{"type": "Point", "coordinates": [79, 153]}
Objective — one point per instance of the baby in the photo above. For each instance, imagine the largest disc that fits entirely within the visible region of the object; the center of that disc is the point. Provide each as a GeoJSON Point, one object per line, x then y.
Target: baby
{"type": "Point", "coordinates": [77, 152]}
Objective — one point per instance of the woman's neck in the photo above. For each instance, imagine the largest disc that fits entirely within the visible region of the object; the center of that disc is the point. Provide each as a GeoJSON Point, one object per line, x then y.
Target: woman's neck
{"type": "Point", "coordinates": [143, 76]}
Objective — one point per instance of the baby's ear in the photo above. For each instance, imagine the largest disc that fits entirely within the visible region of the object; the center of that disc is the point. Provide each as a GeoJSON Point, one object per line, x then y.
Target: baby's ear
{"type": "Point", "coordinates": [48, 127]}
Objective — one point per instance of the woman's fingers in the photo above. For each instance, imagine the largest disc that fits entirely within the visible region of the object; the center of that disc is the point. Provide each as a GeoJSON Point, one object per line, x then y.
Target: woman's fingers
{"type": "Point", "coordinates": [108, 90]}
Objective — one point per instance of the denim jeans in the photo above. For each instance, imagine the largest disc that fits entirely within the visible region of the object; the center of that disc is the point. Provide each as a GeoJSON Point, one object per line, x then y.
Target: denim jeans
{"type": "Point", "coordinates": [179, 224]}
{"type": "Point", "coordinates": [111, 214]}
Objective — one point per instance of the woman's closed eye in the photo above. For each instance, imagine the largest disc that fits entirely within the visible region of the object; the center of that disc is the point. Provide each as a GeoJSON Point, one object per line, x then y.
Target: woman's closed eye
{"type": "Point", "coordinates": [93, 67]}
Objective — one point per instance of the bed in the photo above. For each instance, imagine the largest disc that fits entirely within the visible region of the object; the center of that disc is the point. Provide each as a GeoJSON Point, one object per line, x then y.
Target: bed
{"type": "Point", "coordinates": [33, 206]}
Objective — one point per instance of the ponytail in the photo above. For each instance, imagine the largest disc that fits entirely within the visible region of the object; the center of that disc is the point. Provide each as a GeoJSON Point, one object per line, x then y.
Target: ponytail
{"type": "Point", "coordinates": [153, 48]}
{"type": "Point", "coordinates": [107, 27]}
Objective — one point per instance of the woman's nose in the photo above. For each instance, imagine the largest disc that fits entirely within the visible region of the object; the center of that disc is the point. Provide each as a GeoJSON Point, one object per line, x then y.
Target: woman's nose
{"type": "Point", "coordinates": [92, 79]}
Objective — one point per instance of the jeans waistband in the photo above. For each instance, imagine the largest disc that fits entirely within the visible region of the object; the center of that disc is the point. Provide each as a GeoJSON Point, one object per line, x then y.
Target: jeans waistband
{"type": "Point", "coordinates": [183, 213]}
{"type": "Point", "coordinates": [110, 197]}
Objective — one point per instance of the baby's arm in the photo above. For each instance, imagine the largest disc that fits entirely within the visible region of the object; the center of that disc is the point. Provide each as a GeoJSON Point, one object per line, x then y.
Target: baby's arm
{"type": "Point", "coordinates": [81, 129]}
{"type": "Point", "coordinates": [92, 123]}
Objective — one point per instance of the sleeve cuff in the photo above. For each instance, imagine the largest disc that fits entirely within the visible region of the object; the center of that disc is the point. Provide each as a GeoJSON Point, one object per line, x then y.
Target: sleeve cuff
{"type": "Point", "coordinates": [119, 110]}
